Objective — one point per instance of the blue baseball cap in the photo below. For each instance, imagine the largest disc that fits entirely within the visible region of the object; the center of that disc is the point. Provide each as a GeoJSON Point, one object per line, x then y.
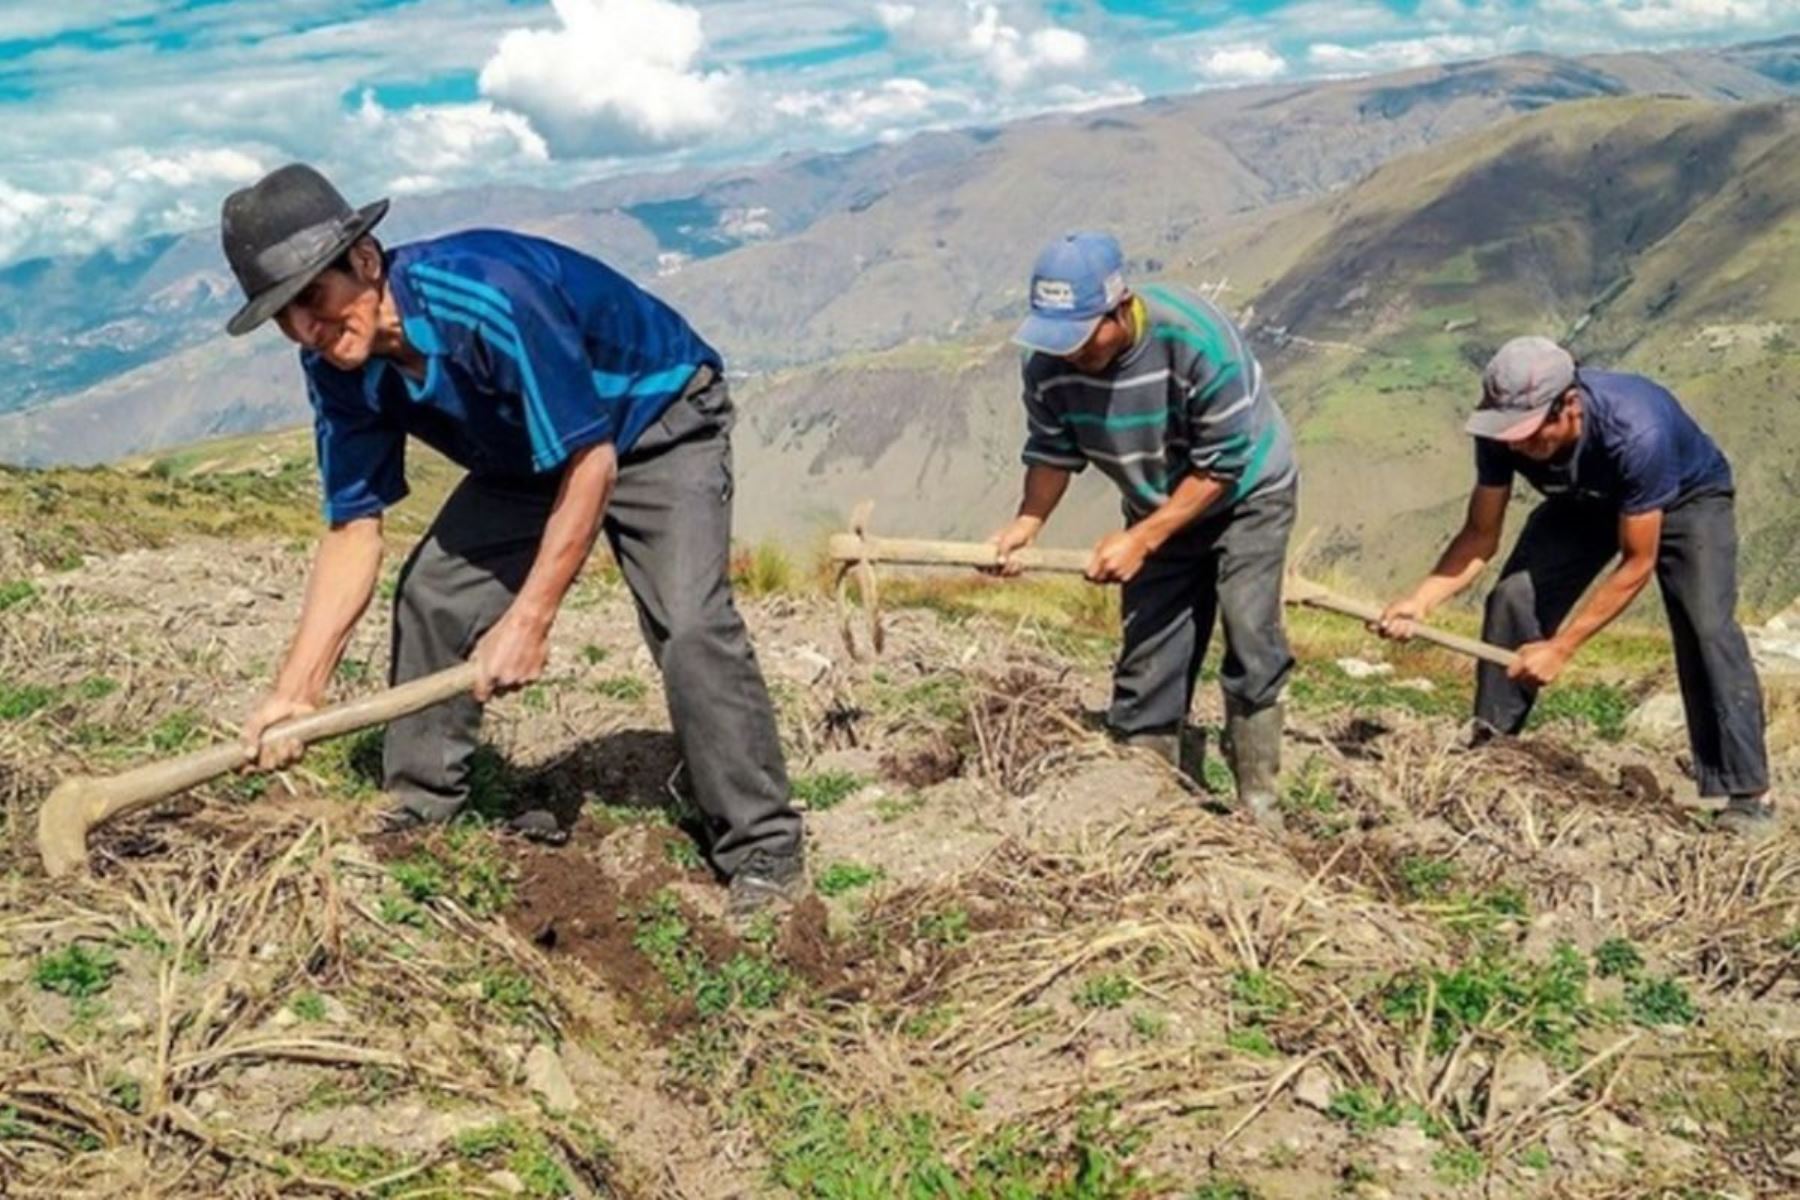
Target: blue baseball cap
{"type": "Point", "coordinates": [1078, 278]}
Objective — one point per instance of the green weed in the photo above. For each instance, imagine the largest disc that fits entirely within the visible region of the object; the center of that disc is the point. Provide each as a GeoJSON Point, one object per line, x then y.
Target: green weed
{"type": "Point", "coordinates": [1364, 1110]}
{"type": "Point", "coordinates": [1149, 1026]}
{"type": "Point", "coordinates": [308, 1006]}
{"type": "Point", "coordinates": [1222, 1187]}
{"type": "Point", "coordinates": [1657, 1002]}
{"type": "Point", "coordinates": [21, 700]}
{"type": "Point", "coordinates": [842, 877]}
{"type": "Point", "coordinates": [824, 790]}
{"type": "Point", "coordinates": [1600, 706]}
{"type": "Point", "coordinates": [76, 971]}
{"type": "Point", "coordinates": [1106, 990]}
{"type": "Point", "coordinates": [1548, 1002]}
{"type": "Point", "coordinates": [1458, 1165]}
{"type": "Point", "coordinates": [626, 689]}
{"type": "Point", "coordinates": [1617, 958]}
{"type": "Point", "coordinates": [15, 592]}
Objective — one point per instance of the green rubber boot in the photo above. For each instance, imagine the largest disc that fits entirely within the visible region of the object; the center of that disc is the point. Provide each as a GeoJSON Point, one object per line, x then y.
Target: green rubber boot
{"type": "Point", "coordinates": [1252, 745]}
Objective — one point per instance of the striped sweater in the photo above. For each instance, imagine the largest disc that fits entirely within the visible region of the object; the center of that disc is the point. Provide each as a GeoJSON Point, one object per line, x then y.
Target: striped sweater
{"type": "Point", "coordinates": [1188, 396]}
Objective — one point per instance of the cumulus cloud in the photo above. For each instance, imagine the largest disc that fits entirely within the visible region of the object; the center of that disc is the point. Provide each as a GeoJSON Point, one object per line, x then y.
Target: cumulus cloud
{"type": "Point", "coordinates": [894, 103]}
{"type": "Point", "coordinates": [119, 195]}
{"type": "Point", "coordinates": [1011, 54]}
{"type": "Point", "coordinates": [1402, 54]}
{"type": "Point", "coordinates": [430, 145]}
{"type": "Point", "coordinates": [1243, 62]}
{"type": "Point", "coordinates": [1666, 17]}
{"type": "Point", "coordinates": [617, 76]}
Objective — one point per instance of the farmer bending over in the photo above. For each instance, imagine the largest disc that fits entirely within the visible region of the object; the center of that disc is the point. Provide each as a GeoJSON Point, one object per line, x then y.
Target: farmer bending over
{"type": "Point", "coordinates": [577, 403]}
{"type": "Point", "coordinates": [1626, 472]}
{"type": "Point", "coordinates": [1159, 391]}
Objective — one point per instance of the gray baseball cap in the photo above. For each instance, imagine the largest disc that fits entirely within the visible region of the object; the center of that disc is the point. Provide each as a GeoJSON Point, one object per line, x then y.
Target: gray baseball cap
{"type": "Point", "coordinates": [1519, 387]}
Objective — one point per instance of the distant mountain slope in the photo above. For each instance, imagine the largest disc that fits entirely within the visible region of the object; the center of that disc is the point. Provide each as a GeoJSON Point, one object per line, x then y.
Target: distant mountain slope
{"type": "Point", "coordinates": [1656, 235]}
{"type": "Point", "coordinates": [808, 257]}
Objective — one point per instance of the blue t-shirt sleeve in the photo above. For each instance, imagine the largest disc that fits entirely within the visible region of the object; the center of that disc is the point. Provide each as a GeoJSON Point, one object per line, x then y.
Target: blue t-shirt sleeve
{"type": "Point", "coordinates": [362, 458]}
{"type": "Point", "coordinates": [538, 350]}
{"type": "Point", "coordinates": [1493, 464]}
{"type": "Point", "coordinates": [1649, 470]}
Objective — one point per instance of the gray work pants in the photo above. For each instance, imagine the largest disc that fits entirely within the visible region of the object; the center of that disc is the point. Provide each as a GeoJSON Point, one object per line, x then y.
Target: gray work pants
{"type": "Point", "coordinates": [1229, 566]}
{"type": "Point", "coordinates": [1565, 545]}
{"type": "Point", "coordinates": [669, 525]}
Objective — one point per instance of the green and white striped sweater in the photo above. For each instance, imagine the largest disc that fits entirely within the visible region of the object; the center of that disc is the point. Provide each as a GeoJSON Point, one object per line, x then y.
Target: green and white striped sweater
{"type": "Point", "coordinates": [1188, 396]}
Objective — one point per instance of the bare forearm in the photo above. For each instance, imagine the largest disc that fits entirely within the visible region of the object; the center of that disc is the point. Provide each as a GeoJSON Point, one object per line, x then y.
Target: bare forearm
{"type": "Point", "coordinates": [1461, 564]}
{"type": "Point", "coordinates": [568, 535]}
{"type": "Point", "coordinates": [1044, 488]}
{"type": "Point", "coordinates": [1192, 496]}
{"type": "Point", "coordinates": [343, 578]}
{"type": "Point", "coordinates": [1612, 597]}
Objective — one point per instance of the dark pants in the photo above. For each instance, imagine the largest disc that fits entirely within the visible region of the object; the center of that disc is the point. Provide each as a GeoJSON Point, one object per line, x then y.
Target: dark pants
{"type": "Point", "coordinates": [1564, 547]}
{"type": "Point", "coordinates": [1229, 566]}
{"type": "Point", "coordinates": [669, 525]}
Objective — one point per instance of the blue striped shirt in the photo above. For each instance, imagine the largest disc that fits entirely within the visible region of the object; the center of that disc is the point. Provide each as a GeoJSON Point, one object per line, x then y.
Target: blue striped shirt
{"type": "Point", "coordinates": [533, 351]}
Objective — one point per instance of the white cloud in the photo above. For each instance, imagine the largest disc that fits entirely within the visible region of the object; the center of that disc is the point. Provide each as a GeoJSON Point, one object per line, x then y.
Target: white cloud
{"type": "Point", "coordinates": [1401, 54]}
{"type": "Point", "coordinates": [619, 76]}
{"type": "Point", "coordinates": [893, 104]}
{"type": "Point", "coordinates": [429, 143]}
{"type": "Point", "coordinates": [1243, 62]}
{"type": "Point", "coordinates": [119, 195]}
{"type": "Point", "coordinates": [1664, 17]}
{"type": "Point", "coordinates": [1011, 54]}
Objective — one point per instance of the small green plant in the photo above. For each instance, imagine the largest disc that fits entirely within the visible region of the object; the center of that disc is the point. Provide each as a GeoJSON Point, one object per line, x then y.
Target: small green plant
{"type": "Point", "coordinates": [21, 700]}
{"type": "Point", "coordinates": [1364, 1111]}
{"type": "Point", "coordinates": [1535, 1158]}
{"type": "Point", "coordinates": [889, 809]}
{"type": "Point", "coordinates": [1223, 1187]}
{"type": "Point", "coordinates": [593, 655]}
{"type": "Point", "coordinates": [1422, 876]}
{"type": "Point", "coordinates": [1458, 1164]}
{"type": "Point", "coordinates": [462, 865]}
{"type": "Point", "coordinates": [947, 928]}
{"type": "Point", "coordinates": [745, 981]}
{"type": "Point", "coordinates": [683, 853]}
{"type": "Point", "coordinates": [1106, 990]}
{"type": "Point", "coordinates": [125, 1092]}
{"type": "Point", "coordinates": [1600, 706]}
{"type": "Point", "coordinates": [15, 592]}
{"type": "Point", "coordinates": [824, 790]}
{"type": "Point", "coordinates": [176, 732]}
{"type": "Point", "coordinates": [1149, 1026]}
{"type": "Point", "coordinates": [1252, 1039]}
{"type": "Point", "coordinates": [96, 687]}
{"type": "Point", "coordinates": [1617, 958]}
{"type": "Point", "coordinates": [1548, 1001]}
{"type": "Point", "coordinates": [842, 877]}
{"type": "Point", "coordinates": [76, 971]}
{"type": "Point", "coordinates": [1258, 997]}
{"type": "Point", "coordinates": [1660, 1002]}
{"type": "Point", "coordinates": [511, 993]}
{"type": "Point", "coordinates": [142, 937]}
{"type": "Point", "coordinates": [308, 1006]}
{"type": "Point", "coordinates": [352, 671]}
{"type": "Point", "coordinates": [626, 689]}
{"type": "Point", "coordinates": [763, 570]}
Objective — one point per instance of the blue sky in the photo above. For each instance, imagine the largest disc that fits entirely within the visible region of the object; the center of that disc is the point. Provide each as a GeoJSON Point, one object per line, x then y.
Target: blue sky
{"type": "Point", "coordinates": [120, 118]}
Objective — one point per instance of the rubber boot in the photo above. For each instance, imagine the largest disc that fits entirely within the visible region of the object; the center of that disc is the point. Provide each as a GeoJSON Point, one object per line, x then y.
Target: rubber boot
{"type": "Point", "coordinates": [1252, 745]}
{"type": "Point", "coordinates": [1163, 743]}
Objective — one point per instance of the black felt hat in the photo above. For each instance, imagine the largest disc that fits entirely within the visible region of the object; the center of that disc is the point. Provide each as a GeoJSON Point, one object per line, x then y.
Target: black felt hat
{"type": "Point", "coordinates": [281, 231]}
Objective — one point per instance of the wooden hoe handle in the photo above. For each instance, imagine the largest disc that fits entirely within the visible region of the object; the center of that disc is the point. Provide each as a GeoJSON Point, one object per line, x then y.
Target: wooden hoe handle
{"type": "Point", "coordinates": [80, 804]}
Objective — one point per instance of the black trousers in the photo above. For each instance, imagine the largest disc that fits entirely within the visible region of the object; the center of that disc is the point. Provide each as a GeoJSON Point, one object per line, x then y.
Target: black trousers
{"type": "Point", "coordinates": [1564, 547]}
{"type": "Point", "coordinates": [1226, 567]}
{"type": "Point", "coordinates": [669, 524]}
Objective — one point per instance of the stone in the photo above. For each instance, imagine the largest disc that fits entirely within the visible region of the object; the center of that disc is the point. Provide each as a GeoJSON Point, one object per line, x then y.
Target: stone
{"type": "Point", "coordinates": [1417, 685]}
{"type": "Point", "coordinates": [335, 1012]}
{"type": "Point", "coordinates": [1357, 668]}
{"type": "Point", "coordinates": [1315, 1088]}
{"type": "Point", "coordinates": [506, 1182]}
{"type": "Point", "coordinates": [284, 1018]}
{"type": "Point", "coordinates": [1404, 1148]}
{"type": "Point", "coordinates": [1661, 716]}
{"type": "Point", "coordinates": [545, 1075]}
{"type": "Point", "coordinates": [1518, 1081]}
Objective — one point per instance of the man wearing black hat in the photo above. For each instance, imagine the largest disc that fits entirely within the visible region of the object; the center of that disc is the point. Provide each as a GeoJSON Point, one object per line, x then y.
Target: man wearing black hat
{"type": "Point", "coordinates": [1627, 473]}
{"type": "Point", "coordinates": [578, 403]}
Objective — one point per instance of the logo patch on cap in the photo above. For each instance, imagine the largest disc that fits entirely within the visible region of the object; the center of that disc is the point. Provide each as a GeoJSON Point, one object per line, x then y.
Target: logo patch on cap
{"type": "Point", "coordinates": [1057, 294]}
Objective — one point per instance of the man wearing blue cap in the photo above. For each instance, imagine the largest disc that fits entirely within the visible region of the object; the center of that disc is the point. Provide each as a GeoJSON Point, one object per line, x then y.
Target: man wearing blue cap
{"type": "Point", "coordinates": [580, 405]}
{"type": "Point", "coordinates": [1159, 390]}
{"type": "Point", "coordinates": [1626, 472]}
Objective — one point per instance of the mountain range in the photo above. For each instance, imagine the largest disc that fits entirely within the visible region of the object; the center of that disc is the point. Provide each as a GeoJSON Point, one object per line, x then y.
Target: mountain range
{"type": "Point", "coordinates": [1377, 236]}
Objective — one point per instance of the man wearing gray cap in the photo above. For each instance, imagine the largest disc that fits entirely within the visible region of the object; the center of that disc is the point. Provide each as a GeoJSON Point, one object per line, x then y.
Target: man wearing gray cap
{"type": "Point", "coordinates": [1624, 471]}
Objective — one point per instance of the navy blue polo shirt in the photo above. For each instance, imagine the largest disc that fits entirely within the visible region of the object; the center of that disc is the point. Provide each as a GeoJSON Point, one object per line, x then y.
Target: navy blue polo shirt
{"type": "Point", "coordinates": [533, 352]}
{"type": "Point", "coordinates": [1639, 451]}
